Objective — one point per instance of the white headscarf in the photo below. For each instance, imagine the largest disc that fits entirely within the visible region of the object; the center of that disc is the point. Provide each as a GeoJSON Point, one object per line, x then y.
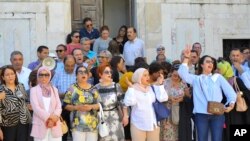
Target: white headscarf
{"type": "Point", "coordinates": [136, 78]}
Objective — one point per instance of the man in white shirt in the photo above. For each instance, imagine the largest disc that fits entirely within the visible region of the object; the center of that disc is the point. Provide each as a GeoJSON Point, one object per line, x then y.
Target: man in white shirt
{"type": "Point", "coordinates": [133, 48]}
{"type": "Point", "coordinates": [16, 59]}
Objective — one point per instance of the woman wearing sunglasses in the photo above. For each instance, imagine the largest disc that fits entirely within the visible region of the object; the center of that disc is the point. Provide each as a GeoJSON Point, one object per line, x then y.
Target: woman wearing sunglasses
{"type": "Point", "coordinates": [111, 97]}
{"type": "Point", "coordinates": [73, 41]}
{"type": "Point", "coordinates": [14, 114]}
{"type": "Point", "coordinates": [46, 105]}
{"type": "Point", "coordinates": [82, 99]}
{"type": "Point", "coordinates": [176, 89]}
{"type": "Point", "coordinates": [207, 87]}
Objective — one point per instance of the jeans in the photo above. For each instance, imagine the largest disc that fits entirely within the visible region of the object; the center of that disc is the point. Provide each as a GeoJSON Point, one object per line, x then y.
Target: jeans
{"type": "Point", "coordinates": [206, 122]}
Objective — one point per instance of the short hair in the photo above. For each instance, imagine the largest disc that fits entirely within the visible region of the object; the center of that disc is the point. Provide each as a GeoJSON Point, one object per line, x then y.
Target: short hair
{"type": "Point", "coordinates": [86, 19]}
{"type": "Point", "coordinates": [194, 51]}
{"type": "Point", "coordinates": [33, 78]}
{"type": "Point", "coordinates": [41, 48]}
{"type": "Point", "coordinates": [62, 45]}
{"type": "Point", "coordinates": [113, 47]}
{"type": "Point", "coordinates": [244, 48]}
{"type": "Point", "coordinates": [68, 57]}
{"type": "Point", "coordinates": [75, 50]}
{"type": "Point", "coordinates": [201, 61]}
{"type": "Point", "coordinates": [15, 53]}
{"type": "Point", "coordinates": [140, 65]}
{"type": "Point", "coordinates": [159, 55]}
{"type": "Point", "coordinates": [81, 66]}
{"type": "Point", "coordinates": [105, 27]}
{"type": "Point", "coordinates": [196, 43]}
{"type": "Point", "coordinates": [4, 68]}
{"type": "Point", "coordinates": [101, 68]}
{"type": "Point", "coordinates": [133, 29]}
{"type": "Point", "coordinates": [139, 59]}
{"type": "Point", "coordinates": [154, 67]}
{"type": "Point", "coordinates": [84, 39]}
{"type": "Point", "coordinates": [235, 49]}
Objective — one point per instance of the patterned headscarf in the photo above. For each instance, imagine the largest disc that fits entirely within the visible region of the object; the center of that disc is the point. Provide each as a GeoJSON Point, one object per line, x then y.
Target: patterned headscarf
{"type": "Point", "coordinates": [46, 88]}
{"type": "Point", "coordinates": [225, 69]}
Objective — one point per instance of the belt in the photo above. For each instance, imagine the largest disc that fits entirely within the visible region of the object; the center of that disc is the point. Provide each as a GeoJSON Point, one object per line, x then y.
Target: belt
{"type": "Point", "coordinates": [111, 109]}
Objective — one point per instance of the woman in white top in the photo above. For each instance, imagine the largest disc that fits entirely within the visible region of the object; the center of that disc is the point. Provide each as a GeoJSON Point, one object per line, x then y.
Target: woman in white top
{"type": "Point", "coordinates": [140, 96]}
{"type": "Point", "coordinates": [46, 106]}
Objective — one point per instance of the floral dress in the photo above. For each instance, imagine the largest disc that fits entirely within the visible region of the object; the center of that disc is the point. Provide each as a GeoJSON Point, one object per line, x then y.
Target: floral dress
{"type": "Point", "coordinates": [110, 97]}
{"type": "Point", "coordinates": [82, 121]}
{"type": "Point", "coordinates": [169, 130]}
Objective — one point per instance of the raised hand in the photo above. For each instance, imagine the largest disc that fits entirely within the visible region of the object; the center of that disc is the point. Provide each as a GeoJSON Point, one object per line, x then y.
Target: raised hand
{"type": "Point", "coordinates": [187, 51]}
{"type": "Point", "coordinates": [2, 95]}
{"type": "Point", "coordinates": [128, 82]}
{"type": "Point", "coordinates": [160, 80]}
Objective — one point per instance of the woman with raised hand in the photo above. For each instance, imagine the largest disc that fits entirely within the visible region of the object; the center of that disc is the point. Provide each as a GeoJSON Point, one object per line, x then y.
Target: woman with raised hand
{"type": "Point", "coordinates": [46, 105]}
{"type": "Point", "coordinates": [111, 97]}
{"type": "Point", "coordinates": [140, 96]}
{"type": "Point", "coordinates": [207, 86]}
{"type": "Point", "coordinates": [14, 114]}
{"type": "Point", "coordinates": [82, 99]}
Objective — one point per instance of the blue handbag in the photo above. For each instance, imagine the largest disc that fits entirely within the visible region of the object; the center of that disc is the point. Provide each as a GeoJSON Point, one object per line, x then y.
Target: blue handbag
{"type": "Point", "coordinates": [161, 111]}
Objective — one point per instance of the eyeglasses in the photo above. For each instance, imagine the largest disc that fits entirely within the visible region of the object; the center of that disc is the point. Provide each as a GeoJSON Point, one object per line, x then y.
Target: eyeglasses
{"type": "Point", "coordinates": [59, 51]}
{"type": "Point", "coordinates": [89, 25]}
{"type": "Point", "coordinates": [43, 75]}
{"type": "Point", "coordinates": [83, 72]}
{"type": "Point", "coordinates": [108, 72]}
{"type": "Point", "coordinates": [160, 49]}
{"type": "Point", "coordinates": [209, 61]}
{"type": "Point", "coordinates": [76, 36]}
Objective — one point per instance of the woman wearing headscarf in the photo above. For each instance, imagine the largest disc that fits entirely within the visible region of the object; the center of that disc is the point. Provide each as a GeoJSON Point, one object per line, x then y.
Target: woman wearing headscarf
{"type": "Point", "coordinates": [234, 117]}
{"type": "Point", "coordinates": [46, 106]}
{"type": "Point", "coordinates": [207, 86]}
{"type": "Point", "coordinates": [140, 96]}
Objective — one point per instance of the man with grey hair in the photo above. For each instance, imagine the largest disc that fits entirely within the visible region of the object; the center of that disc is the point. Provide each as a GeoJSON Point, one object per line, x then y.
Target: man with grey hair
{"type": "Point", "coordinates": [85, 46]}
{"type": "Point", "coordinates": [16, 59]}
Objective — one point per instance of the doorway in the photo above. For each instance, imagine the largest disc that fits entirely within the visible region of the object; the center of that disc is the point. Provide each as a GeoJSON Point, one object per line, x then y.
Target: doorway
{"type": "Point", "coordinates": [229, 44]}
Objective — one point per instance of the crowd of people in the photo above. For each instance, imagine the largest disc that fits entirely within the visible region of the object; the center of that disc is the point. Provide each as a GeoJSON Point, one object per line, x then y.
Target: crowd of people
{"type": "Point", "coordinates": [94, 71]}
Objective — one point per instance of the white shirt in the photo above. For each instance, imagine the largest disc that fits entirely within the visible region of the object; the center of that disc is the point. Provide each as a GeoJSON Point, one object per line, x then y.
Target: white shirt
{"type": "Point", "coordinates": [23, 77]}
{"type": "Point", "coordinates": [46, 103]}
{"type": "Point", "coordinates": [143, 114]}
{"type": "Point", "coordinates": [132, 50]}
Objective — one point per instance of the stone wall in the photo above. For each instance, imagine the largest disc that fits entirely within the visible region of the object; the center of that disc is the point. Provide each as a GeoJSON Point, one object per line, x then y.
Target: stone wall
{"type": "Point", "coordinates": [176, 23]}
{"type": "Point", "coordinates": [27, 24]}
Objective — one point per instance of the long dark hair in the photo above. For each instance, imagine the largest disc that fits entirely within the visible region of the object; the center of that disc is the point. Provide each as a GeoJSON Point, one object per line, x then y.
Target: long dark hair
{"type": "Point", "coordinates": [4, 68]}
{"type": "Point", "coordinates": [201, 61]}
{"type": "Point", "coordinates": [68, 38]}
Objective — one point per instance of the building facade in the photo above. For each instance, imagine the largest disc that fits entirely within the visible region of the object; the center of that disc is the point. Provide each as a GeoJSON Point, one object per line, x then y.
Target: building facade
{"type": "Point", "coordinates": [218, 25]}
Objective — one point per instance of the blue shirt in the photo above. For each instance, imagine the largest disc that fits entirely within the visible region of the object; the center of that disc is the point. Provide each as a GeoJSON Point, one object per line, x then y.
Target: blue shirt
{"type": "Point", "coordinates": [63, 80]}
{"type": "Point", "coordinates": [91, 54]}
{"type": "Point", "coordinates": [33, 65]}
{"type": "Point", "coordinates": [59, 66]}
{"type": "Point", "coordinates": [132, 50]}
{"type": "Point", "coordinates": [207, 88]}
{"type": "Point", "coordinates": [94, 34]}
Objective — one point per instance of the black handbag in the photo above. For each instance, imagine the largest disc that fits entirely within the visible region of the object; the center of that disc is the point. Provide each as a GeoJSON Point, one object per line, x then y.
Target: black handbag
{"type": "Point", "coordinates": [161, 111]}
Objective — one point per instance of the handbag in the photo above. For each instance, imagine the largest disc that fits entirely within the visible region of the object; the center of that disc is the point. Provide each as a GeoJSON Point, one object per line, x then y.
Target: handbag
{"type": "Point", "coordinates": [161, 111]}
{"type": "Point", "coordinates": [102, 125]}
{"type": "Point", "coordinates": [64, 126]}
{"type": "Point", "coordinates": [241, 105]}
{"type": "Point", "coordinates": [213, 107]}
{"type": "Point", "coordinates": [175, 114]}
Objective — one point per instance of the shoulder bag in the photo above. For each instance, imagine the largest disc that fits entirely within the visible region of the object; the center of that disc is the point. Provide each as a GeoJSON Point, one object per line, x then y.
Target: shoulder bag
{"type": "Point", "coordinates": [161, 111]}
{"type": "Point", "coordinates": [241, 105]}
{"type": "Point", "coordinates": [213, 107]}
{"type": "Point", "coordinates": [102, 125]}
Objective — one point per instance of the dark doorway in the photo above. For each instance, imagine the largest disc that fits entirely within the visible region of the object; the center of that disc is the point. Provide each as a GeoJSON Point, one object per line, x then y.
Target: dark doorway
{"type": "Point", "coordinates": [229, 44]}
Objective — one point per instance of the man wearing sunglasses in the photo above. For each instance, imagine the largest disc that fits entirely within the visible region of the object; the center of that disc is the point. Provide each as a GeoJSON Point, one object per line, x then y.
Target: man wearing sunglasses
{"type": "Point", "coordinates": [61, 54]}
{"type": "Point", "coordinates": [89, 31]}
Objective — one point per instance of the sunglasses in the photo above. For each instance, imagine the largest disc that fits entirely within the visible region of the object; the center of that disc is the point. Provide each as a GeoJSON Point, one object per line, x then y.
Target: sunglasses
{"type": "Point", "coordinates": [102, 57]}
{"type": "Point", "coordinates": [76, 36]}
{"type": "Point", "coordinates": [108, 72]}
{"type": "Point", "coordinates": [83, 72]}
{"type": "Point", "coordinates": [59, 51]}
{"type": "Point", "coordinates": [209, 61]}
{"type": "Point", "coordinates": [43, 75]}
{"type": "Point", "coordinates": [160, 49]}
{"type": "Point", "coordinates": [89, 25]}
